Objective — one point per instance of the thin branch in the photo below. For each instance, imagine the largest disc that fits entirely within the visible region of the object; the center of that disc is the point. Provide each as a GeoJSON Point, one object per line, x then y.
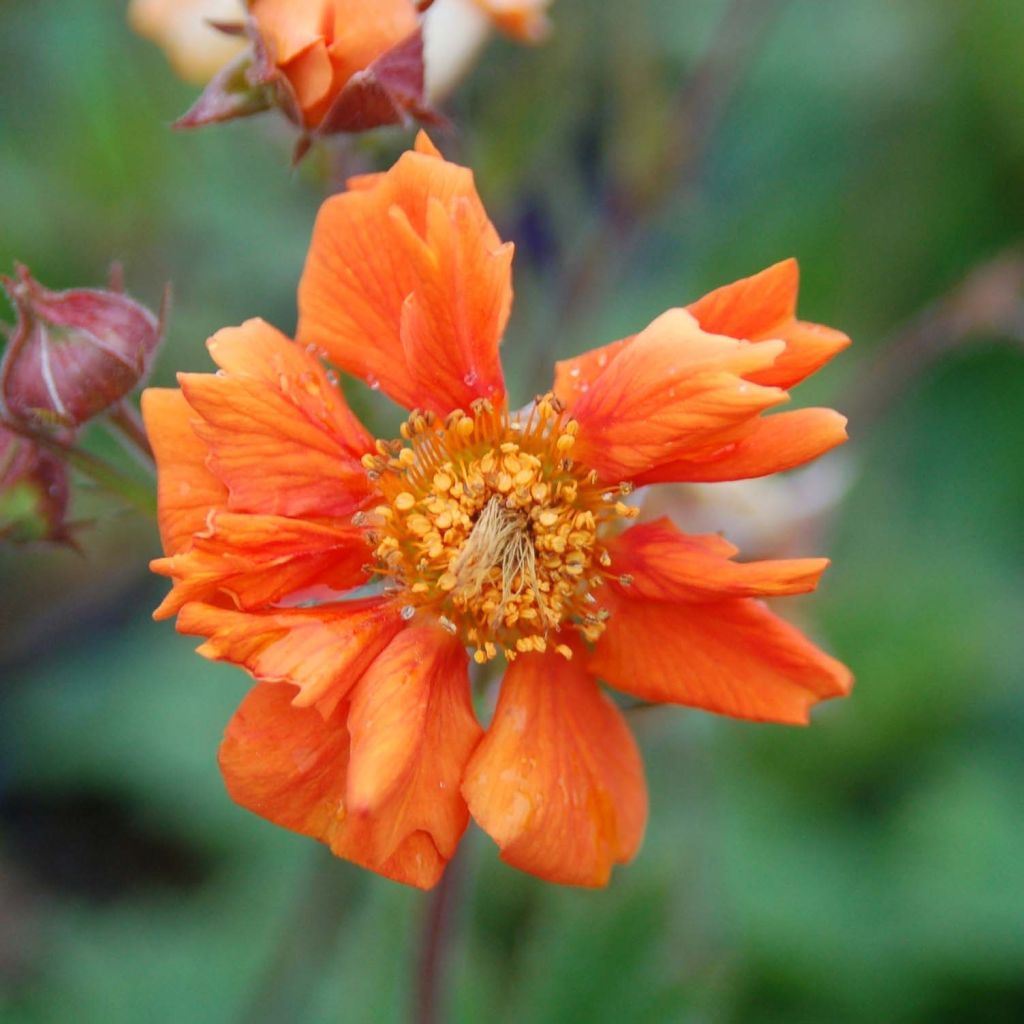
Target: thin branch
{"type": "Point", "coordinates": [701, 106]}
{"type": "Point", "coordinates": [988, 302]}
{"type": "Point", "coordinates": [435, 944]}
{"type": "Point", "coordinates": [126, 423]}
{"type": "Point", "coordinates": [138, 495]}
{"type": "Point", "coordinates": [288, 981]}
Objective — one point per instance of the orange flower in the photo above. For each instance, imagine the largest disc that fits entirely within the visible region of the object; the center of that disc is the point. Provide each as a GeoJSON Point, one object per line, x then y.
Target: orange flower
{"type": "Point", "coordinates": [330, 65]}
{"type": "Point", "coordinates": [524, 19]}
{"type": "Point", "coordinates": [349, 575]}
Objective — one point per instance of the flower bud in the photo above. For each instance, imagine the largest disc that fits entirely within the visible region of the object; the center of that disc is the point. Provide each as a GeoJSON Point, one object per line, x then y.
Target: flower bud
{"type": "Point", "coordinates": [325, 68]}
{"type": "Point", "coordinates": [72, 354]}
{"type": "Point", "coordinates": [33, 492]}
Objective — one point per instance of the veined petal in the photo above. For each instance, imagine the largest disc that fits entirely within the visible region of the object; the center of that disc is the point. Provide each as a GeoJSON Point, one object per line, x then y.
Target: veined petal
{"type": "Point", "coordinates": [733, 657]}
{"type": "Point", "coordinates": [258, 560]}
{"type": "Point", "coordinates": [323, 651]}
{"type": "Point", "coordinates": [289, 765]}
{"type": "Point", "coordinates": [413, 730]}
{"type": "Point", "coordinates": [186, 489]}
{"type": "Point", "coordinates": [764, 306]}
{"type": "Point", "coordinates": [672, 391]}
{"type": "Point", "coordinates": [574, 377]}
{"type": "Point", "coordinates": [408, 286]}
{"type": "Point", "coordinates": [557, 780]}
{"type": "Point", "coordinates": [775, 443]}
{"type": "Point", "coordinates": [662, 563]}
{"type": "Point", "coordinates": [280, 435]}
{"type": "Point", "coordinates": [757, 308]}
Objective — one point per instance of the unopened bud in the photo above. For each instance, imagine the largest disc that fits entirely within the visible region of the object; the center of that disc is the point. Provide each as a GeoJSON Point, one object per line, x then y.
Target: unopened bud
{"type": "Point", "coordinates": [33, 492]}
{"type": "Point", "coordinates": [72, 354]}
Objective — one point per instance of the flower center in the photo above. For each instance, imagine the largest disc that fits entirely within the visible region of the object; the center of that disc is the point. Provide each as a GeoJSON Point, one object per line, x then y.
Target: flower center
{"type": "Point", "coordinates": [490, 524]}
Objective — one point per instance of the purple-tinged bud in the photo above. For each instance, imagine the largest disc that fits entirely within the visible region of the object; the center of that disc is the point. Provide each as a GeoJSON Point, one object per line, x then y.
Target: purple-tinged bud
{"type": "Point", "coordinates": [33, 492]}
{"type": "Point", "coordinates": [72, 354]}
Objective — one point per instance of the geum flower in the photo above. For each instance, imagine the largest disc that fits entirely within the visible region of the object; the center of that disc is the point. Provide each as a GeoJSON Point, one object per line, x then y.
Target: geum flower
{"type": "Point", "coordinates": [503, 532]}
{"type": "Point", "coordinates": [329, 65]}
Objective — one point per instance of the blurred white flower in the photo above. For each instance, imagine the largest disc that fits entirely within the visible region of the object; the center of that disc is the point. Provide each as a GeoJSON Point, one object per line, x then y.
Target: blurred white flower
{"type": "Point", "coordinates": [770, 517]}
{"type": "Point", "coordinates": [455, 32]}
{"type": "Point", "coordinates": [181, 29]}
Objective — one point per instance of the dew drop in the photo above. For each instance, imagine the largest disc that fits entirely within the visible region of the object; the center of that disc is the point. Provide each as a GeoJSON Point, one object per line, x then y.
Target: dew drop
{"type": "Point", "coordinates": [602, 359]}
{"type": "Point", "coordinates": [470, 379]}
{"type": "Point", "coordinates": [408, 612]}
{"type": "Point", "coordinates": [574, 372]}
{"type": "Point", "coordinates": [332, 378]}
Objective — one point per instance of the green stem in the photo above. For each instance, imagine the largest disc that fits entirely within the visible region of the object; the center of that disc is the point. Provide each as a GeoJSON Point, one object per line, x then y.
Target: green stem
{"type": "Point", "coordinates": [133, 493]}
{"type": "Point", "coordinates": [126, 423]}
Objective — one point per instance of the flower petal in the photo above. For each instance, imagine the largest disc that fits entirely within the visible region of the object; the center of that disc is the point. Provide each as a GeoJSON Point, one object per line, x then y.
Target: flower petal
{"type": "Point", "coordinates": [757, 308]}
{"type": "Point", "coordinates": [574, 377]}
{"type": "Point", "coordinates": [259, 560]}
{"type": "Point", "coordinates": [673, 391]}
{"type": "Point", "coordinates": [764, 306]}
{"type": "Point", "coordinates": [413, 730]}
{"type": "Point", "coordinates": [280, 434]}
{"type": "Point", "coordinates": [733, 657]}
{"type": "Point", "coordinates": [557, 780]}
{"type": "Point", "coordinates": [774, 444]}
{"type": "Point", "coordinates": [408, 286]}
{"type": "Point", "coordinates": [323, 651]}
{"type": "Point", "coordinates": [364, 29]}
{"type": "Point", "coordinates": [289, 765]}
{"type": "Point", "coordinates": [186, 489]}
{"type": "Point", "coordinates": [664, 564]}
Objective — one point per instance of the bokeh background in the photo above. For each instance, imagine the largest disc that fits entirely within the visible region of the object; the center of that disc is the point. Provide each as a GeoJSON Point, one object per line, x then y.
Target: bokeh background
{"type": "Point", "coordinates": [868, 868]}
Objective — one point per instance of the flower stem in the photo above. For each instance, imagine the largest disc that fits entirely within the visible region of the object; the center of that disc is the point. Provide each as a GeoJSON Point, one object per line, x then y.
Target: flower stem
{"type": "Point", "coordinates": [125, 421]}
{"type": "Point", "coordinates": [138, 495]}
{"type": "Point", "coordinates": [435, 944]}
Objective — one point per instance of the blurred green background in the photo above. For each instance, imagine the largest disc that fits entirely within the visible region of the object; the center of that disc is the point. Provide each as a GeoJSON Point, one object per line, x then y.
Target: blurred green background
{"type": "Point", "coordinates": [870, 868]}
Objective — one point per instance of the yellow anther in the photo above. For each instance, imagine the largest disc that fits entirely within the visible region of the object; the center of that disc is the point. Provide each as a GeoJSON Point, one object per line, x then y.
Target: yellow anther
{"type": "Point", "coordinates": [404, 501]}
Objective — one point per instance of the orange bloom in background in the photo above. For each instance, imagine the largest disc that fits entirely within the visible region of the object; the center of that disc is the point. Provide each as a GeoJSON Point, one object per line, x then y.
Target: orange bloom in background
{"type": "Point", "coordinates": [350, 575]}
{"type": "Point", "coordinates": [330, 65]}
{"type": "Point", "coordinates": [526, 20]}
{"type": "Point", "coordinates": [456, 31]}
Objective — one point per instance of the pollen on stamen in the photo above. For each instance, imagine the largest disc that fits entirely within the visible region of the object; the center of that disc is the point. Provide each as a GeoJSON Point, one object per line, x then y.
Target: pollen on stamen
{"type": "Point", "coordinates": [490, 523]}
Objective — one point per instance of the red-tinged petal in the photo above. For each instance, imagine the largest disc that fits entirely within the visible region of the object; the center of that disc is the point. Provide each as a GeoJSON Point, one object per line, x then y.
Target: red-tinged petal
{"type": "Point", "coordinates": [574, 377]}
{"type": "Point", "coordinates": [675, 390]}
{"type": "Point", "coordinates": [408, 286]}
{"type": "Point", "coordinates": [323, 651]}
{"type": "Point", "coordinates": [255, 561]}
{"type": "Point", "coordinates": [366, 29]}
{"type": "Point", "coordinates": [808, 348]}
{"type": "Point", "coordinates": [662, 563]}
{"type": "Point", "coordinates": [732, 657]}
{"type": "Point", "coordinates": [413, 730]}
{"type": "Point", "coordinates": [557, 780]}
{"type": "Point", "coordinates": [764, 306]}
{"type": "Point", "coordinates": [289, 765]}
{"type": "Point", "coordinates": [387, 91]}
{"type": "Point", "coordinates": [775, 444]}
{"type": "Point", "coordinates": [280, 434]}
{"type": "Point", "coordinates": [754, 307]}
{"type": "Point", "coordinates": [186, 489]}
